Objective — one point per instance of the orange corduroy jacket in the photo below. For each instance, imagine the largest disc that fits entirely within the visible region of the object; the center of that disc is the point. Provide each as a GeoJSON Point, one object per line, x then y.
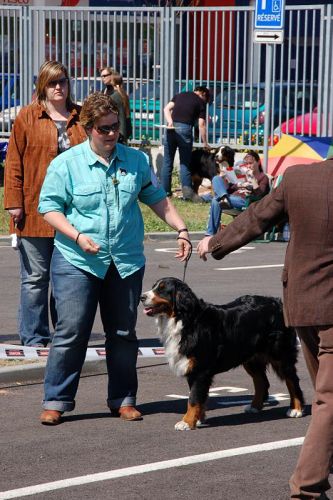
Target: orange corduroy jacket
{"type": "Point", "coordinates": [32, 146]}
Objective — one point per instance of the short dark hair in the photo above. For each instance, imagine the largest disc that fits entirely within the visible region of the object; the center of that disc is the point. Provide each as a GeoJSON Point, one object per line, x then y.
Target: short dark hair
{"type": "Point", "coordinates": [94, 107]}
{"type": "Point", "coordinates": [203, 90]}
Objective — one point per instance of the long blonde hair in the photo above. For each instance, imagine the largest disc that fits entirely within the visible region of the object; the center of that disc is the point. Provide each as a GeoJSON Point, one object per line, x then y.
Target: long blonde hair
{"type": "Point", "coordinates": [117, 82]}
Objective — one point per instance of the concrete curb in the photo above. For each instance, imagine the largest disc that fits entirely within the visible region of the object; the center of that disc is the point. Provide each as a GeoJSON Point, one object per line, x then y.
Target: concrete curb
{"type": "Point", "coordinates": [34, 372]}
{"type": "Point", "coordinates": [158, 236]}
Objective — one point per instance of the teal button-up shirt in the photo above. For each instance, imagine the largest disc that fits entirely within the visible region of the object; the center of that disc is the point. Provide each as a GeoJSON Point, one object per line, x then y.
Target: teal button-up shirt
{"type": "Point", "coordinates": [101, 202]}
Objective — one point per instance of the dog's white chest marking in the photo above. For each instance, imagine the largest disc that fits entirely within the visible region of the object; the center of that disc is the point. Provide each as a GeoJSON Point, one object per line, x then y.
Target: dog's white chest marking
{"type": "Point", "coordinates": [170, 333]}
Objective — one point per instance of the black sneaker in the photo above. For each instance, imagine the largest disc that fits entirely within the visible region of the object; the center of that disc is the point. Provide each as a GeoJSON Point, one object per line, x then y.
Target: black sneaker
{"type": "Point", "coordinates": [224, 202]}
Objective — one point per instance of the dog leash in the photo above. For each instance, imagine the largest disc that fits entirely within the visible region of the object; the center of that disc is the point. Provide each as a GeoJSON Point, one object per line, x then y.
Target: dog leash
{"type": "Point", "coordinates": [188, 255]}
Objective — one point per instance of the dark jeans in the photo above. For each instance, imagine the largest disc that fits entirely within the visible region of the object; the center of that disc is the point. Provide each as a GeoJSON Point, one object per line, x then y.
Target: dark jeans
{"type": "Point", "coordinates": [182, 139]}
{"type": "Point", "coordinates": [77, 294]}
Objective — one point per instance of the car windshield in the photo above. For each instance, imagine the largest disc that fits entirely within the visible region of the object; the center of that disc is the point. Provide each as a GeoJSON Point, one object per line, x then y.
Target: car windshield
{"type": "Point", "coordinates": [147, 91]}
{"type": "Point", "coordinates": [239, 97]}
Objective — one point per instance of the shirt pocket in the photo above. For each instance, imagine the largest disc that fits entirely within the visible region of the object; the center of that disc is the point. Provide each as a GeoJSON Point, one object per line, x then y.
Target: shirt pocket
{"type": "Point", "coordinates": [87, 197]}
{"type": "Point", "coordinates": [128, 192]}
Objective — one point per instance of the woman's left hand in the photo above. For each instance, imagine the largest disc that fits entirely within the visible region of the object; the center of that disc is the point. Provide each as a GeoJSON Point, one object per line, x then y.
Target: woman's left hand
{"type": "Point", "coordinates": [184, 246]}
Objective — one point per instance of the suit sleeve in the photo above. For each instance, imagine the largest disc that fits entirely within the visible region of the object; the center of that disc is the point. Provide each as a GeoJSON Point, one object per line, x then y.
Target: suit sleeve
{"type": "Point", "coordinates": [255, 220]}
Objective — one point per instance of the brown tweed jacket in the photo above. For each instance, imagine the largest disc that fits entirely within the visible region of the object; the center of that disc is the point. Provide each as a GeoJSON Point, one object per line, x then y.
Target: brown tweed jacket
{"type": "Point", "coordinates": [32, 146]}
{"type": "Point", "coordinates": [305, 196]}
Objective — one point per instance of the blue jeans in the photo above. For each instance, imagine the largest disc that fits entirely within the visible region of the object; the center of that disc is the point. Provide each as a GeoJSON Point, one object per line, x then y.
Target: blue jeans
{"type": "Point", "coordinates": [77, 294]}
{"type": "Point", "coordinates": [33, 315]}
{"type": "Point", "coordinates": [182, 139]}
{"type": "Point", "coordinates": [215, 213]}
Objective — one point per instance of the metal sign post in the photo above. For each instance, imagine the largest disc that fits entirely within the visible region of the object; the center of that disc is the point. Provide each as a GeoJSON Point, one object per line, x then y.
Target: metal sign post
{"type": "Point", "coordinates": [269, 29]}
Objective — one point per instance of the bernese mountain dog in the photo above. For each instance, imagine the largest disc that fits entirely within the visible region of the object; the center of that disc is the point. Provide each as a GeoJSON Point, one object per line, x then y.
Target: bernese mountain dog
{"type": "Point", "coordinates": [206, 164]}
{"type": "Point", "coordinates": [203, 339]}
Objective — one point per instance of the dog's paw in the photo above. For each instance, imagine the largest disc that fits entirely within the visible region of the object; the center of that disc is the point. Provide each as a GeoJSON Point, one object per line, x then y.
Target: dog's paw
{"type": "Point", "coordinates": [292, 413]}
{"type": "Point", "coordinates": [250, 409]}
{"type": "Point", "coordinates": [182, 426]}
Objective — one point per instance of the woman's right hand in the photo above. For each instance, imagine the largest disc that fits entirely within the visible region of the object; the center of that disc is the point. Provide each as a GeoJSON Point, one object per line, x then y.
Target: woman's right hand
{"type": "Point", "coordinates": [16, 214]}
{"type": "Point", "coordinates": [87, 244]}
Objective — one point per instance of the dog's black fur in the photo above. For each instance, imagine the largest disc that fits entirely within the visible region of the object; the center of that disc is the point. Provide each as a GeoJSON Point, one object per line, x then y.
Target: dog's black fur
{"type": "Point", "coordinates": [203, 339]}
{"type": "Point", "coordinates": [205, 164]}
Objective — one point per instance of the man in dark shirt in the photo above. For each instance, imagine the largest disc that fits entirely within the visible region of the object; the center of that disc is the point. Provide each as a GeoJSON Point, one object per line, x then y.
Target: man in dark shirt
{"type": "Point", "coordinates": [181, 114]}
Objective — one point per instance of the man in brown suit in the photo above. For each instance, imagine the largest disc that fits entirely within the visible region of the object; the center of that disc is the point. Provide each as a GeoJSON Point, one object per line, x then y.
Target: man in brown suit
{"type": "Point", "coordinates": [305, 197]}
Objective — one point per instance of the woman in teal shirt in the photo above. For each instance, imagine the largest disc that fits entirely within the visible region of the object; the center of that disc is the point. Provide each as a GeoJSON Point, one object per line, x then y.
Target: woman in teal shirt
{"type": "Point", "coordinates": [90, 196]}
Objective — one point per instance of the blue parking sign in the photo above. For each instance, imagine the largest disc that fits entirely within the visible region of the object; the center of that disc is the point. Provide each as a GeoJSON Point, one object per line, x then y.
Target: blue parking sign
{"type": "Point", "coordinates": [269, 14]}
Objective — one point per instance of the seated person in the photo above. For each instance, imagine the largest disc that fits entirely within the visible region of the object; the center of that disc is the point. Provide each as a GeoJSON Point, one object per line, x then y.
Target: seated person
{"type": "Point", "coordinates": [227, 195]}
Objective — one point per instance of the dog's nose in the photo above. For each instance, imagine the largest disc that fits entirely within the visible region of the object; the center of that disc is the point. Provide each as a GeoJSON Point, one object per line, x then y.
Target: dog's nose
{"type": "Point", "coordinates": [143, 297]}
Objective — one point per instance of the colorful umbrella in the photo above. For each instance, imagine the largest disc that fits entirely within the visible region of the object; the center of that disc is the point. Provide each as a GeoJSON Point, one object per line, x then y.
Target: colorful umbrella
{"type": "Point", "coordinates": [297, 149]}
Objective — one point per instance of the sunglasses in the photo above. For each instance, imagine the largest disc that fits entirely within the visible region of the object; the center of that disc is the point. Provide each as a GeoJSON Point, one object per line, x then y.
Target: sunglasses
{"type": "Point", "coordinates": [105, 75]}
{"type": "Point", "coordinates": [61, 82]}
{"type": "Point", "coordinates": [106, 129]}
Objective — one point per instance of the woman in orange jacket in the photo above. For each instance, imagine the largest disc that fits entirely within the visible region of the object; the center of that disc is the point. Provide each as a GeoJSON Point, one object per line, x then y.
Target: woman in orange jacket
{"type": "Point", "coordinates": [41, 131]}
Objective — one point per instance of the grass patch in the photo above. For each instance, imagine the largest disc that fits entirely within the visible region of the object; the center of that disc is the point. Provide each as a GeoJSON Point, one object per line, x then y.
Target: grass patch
{"type": "Point", "coordinates": [4, 217]}
{"type": "Point", "coordinates": [195, 216]}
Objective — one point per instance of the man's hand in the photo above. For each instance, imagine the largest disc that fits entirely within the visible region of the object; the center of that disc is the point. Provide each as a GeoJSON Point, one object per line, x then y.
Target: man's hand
{"type": "Point", "coordinates": [202, 248]}
{"type": "Point", "coordinates": [16, 214]}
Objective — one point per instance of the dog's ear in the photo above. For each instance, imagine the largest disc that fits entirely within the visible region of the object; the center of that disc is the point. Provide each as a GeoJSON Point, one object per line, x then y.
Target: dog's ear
{"type": "Point", "coordinates": [184, 300]}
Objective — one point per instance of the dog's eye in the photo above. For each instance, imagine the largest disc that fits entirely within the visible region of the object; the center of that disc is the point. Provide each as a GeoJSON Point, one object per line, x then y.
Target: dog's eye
{"type": "Point", "coordinates": [161, 286]}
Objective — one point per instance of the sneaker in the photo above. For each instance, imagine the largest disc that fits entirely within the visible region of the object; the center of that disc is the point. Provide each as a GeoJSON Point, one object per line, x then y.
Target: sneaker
{"type": "Point", "coordinates": [190, 195]}
{"type": "Point", "coordinates": [224, 202]}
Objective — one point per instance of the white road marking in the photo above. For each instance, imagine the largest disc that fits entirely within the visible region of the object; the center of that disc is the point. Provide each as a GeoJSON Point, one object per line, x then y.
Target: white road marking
{"type": "Point", "coordinates": [212, 392]}
{"type": "Point", "coordinates": [228, 389]}
{"type": "Point", "coordinates": [175, 250]}
{"type": "Point", "coordinates": [273, 398]}
{"type": "Point", "coordinates": [146, 468]}
{"type": "Point", "coordinates": [268, 266]}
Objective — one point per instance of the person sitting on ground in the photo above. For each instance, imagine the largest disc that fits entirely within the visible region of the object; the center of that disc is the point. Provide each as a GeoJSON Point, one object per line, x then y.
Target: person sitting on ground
{"type": "Point", "coordinates": [227, 195]}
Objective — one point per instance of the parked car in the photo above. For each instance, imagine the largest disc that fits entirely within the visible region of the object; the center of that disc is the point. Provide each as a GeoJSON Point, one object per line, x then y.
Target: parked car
{"type": "Point", "coordinates": [301, 124]}
{"type": "Point", "coordinates": [145, 111]}
{"type": "Point", "coordinates": [9, 90]}
{"type": "Point", "coordinates": [237, 115]}
{"type": "Point", "coordinates": [81, 88]}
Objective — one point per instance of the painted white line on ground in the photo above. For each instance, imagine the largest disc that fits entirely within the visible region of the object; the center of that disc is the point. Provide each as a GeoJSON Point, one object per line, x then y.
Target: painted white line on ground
{"type": "Point", "coordinates": [247, 267]}
{"type": "Point", "coordinates": [175, 250]}
{"type": "Point", "coordinates": [154, 466]}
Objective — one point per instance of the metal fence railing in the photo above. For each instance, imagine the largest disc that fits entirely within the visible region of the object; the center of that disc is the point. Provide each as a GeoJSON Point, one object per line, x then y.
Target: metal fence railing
{"type": "Point", "coordinates": [162, 51]}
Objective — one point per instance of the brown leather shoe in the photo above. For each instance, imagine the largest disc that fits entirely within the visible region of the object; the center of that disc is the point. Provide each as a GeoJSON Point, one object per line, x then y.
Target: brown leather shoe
{"type": "Point", "coordinates": [51, 417]}
{"type": "Point", "coordinates": [126, 413]}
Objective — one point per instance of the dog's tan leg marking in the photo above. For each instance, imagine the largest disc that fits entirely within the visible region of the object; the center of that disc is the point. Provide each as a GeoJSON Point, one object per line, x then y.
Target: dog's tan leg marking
{"type": "Point", "coordinates": [191, 417]}
{"type": "Point", "coordinates": [259, 391]}
{"type": "Point", "coordinates": [191, 364]}
{"type": "Point", "coordinates": [296, 407]}
{"type": "Point", "coordinates": [193, 414]}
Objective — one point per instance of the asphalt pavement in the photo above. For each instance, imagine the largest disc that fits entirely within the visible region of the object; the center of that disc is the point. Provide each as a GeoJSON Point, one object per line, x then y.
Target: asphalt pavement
{"type": "Point", "coordinates": [91, 455]}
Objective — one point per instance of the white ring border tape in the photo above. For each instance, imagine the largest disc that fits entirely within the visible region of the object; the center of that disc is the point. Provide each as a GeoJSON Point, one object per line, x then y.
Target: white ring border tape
{"type": "Point", "coordinates": [9, 351]}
